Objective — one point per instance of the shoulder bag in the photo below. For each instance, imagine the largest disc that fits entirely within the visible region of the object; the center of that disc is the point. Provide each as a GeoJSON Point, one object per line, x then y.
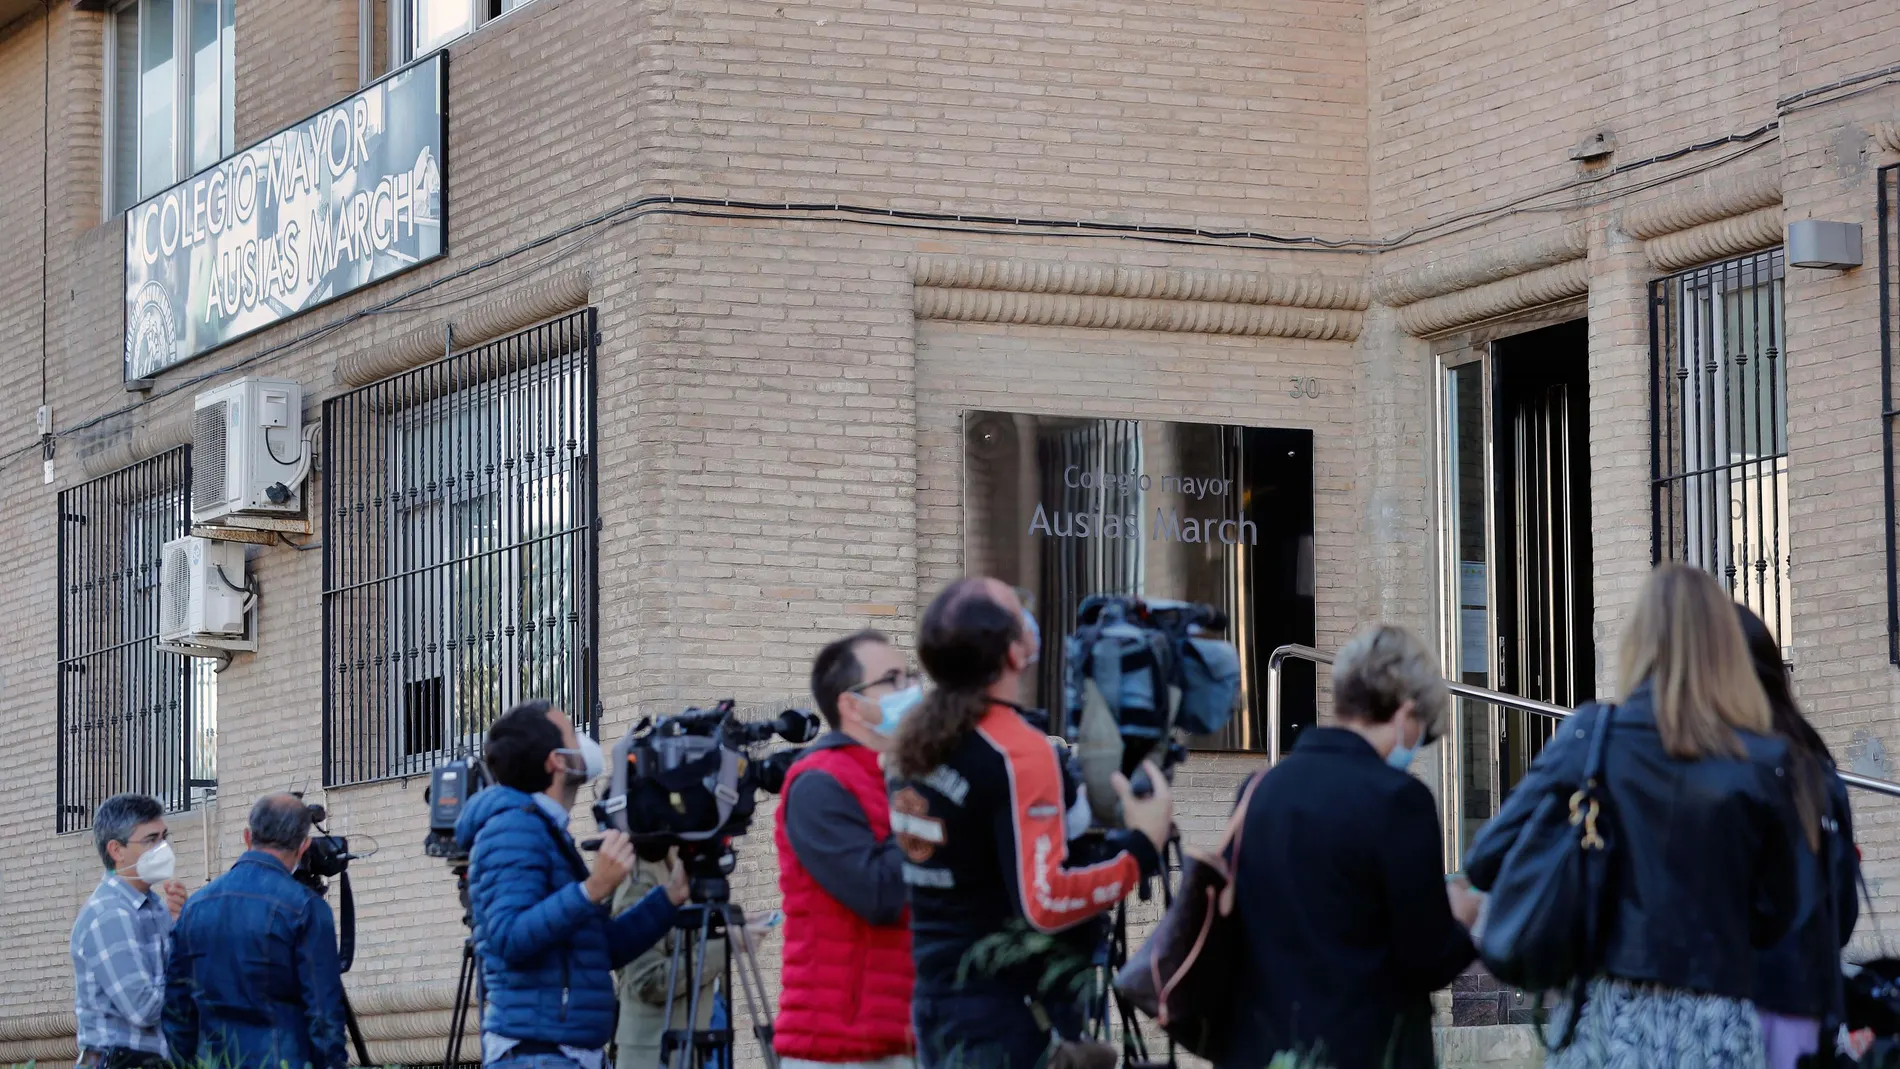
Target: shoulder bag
{"type": "Point", "coordinates": [1543, 917]}
{"type": "Point", "coordinates": [1184, 974]}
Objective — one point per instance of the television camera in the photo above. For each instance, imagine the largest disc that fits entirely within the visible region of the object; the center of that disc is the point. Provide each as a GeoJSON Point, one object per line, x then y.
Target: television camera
{"type": "Point", "coordinates": [1138, 675]}
{"type": "Point", "coordinates": [328, 857]}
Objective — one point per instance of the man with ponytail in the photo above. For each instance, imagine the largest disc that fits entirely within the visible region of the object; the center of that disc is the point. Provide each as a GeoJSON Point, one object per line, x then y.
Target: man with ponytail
{"type": "Point", "coordinates": [977, 810]}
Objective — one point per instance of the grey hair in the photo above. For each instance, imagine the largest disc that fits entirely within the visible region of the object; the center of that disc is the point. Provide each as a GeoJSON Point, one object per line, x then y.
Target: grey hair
{"type": "Point", "coordinates": [1383, 667]}
{"type": "Point", "coordinates": [280, 822]}
{"type": "Point", "coordinates": [116, 818]}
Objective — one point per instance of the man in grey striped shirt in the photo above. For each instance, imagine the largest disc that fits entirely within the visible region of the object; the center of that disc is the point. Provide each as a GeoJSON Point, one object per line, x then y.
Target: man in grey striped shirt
{"type": "Point", "coordinates": [119, 938]}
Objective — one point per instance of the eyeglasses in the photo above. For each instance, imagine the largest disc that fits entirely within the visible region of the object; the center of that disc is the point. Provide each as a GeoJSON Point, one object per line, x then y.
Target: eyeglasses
{"type": "Point", "coordinates": [896, 680]}
{"type": "Point", "coordinates": [152, 839]}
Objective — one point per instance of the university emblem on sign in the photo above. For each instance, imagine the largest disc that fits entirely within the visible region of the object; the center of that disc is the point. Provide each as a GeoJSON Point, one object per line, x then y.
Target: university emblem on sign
{"type": "Point", "coordinates": [151, 331]}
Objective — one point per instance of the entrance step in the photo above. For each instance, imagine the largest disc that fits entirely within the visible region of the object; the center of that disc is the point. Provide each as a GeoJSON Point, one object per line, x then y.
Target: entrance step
{"type": "Point", "coordinates": [1494, 1046]}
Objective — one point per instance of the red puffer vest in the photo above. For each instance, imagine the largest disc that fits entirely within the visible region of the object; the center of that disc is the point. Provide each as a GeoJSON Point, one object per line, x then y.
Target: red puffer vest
{"type": "Point", "coordinates": [846, 993]}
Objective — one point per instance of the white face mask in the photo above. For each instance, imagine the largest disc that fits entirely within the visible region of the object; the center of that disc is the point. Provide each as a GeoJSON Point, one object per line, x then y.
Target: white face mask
{"type": "Point", "coordinates": [593, 760]}
{"type": "Point", "coordinates": [155, 865]}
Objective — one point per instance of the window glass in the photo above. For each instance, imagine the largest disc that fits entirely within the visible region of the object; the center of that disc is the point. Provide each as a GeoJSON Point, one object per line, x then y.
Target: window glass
{"type": "Point", "coordinates": [227, 67]}
{"type": "Point", "coordinates": [437, 22]}
{"type": "Point", "coordinates": [434, 23]}
{"type": "Point", "coordinates": [1723, 493]}
{"type": "Point", "coordinates": [204, 725]}
{"type": "Point", "coordinates": [125, 107]}
{"type": "Point", "coordinates": [207, 85]}
{"type": "Point", "coordinates": [158, 97]}
{"type": "Point", "coordinates": [488, 566]}
{"type": "Point", "coordinates": [126, 709]}
{"type": "Point", "coordinates": [171, 83]}
{"type": "Point", "coordinates": [1469, 654]}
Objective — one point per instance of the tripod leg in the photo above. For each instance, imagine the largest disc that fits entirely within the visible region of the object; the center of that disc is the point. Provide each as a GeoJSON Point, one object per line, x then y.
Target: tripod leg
{"type": "Point", "coordinates": [465, 985]}
{"type": "Point", "coordinates": [1134, 1046]}
{"type": "Point", "coordinates": [698, 956]}
{"type": "Point", "coordinates": [454, 1048]}
{"type": "Point", "coordinates": [356, 1033]}
{"type": "Point", "coordinates": [673, 1040]}
{"type": "Point", "coordinates": [752, 985]}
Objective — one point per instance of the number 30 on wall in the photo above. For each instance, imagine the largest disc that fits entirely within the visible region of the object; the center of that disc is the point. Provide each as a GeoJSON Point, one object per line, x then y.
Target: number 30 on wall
{"type": "Point", "coordinates": [1303, 387]}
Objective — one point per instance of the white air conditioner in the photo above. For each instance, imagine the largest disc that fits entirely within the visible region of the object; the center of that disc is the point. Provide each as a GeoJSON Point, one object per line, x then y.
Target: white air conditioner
{"type": "Point", "coordinates": [248, 453]}
{"type": "Point", "coordinates": [204, 597]}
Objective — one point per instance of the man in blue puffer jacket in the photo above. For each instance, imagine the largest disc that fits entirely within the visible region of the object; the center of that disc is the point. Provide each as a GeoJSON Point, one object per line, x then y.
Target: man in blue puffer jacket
{"type": "Point", "coordinates": [546, 941]}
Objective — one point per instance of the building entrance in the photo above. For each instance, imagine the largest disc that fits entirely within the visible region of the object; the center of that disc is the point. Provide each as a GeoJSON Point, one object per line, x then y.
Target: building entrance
{"type": "Point", "coordinates": [1516, 526]}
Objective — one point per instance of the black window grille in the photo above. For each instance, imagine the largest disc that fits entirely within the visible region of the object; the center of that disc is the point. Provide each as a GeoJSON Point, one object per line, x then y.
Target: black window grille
{"type": "Point", "coordinates": [131, 716]}
{"type": "Point", "coordinates": [1888, 206]}
{"type": "Point", "coordinates": [459, 550]}
{"type": "Point", "coordinates": [1719, 428]}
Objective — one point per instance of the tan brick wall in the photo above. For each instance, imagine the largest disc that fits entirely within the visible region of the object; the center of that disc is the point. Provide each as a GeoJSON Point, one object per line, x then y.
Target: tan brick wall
{"type": "Point", "coordinates": [779, 434]}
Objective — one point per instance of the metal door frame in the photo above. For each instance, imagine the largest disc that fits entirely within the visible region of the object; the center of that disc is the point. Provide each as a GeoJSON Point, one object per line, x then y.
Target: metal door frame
{"type": "Point", "coordinates": [1450, 756]}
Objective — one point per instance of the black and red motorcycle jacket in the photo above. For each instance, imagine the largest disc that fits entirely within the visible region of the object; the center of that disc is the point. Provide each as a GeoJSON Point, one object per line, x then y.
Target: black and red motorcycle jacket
{"type": "Point", "coordinates": [986, 854]}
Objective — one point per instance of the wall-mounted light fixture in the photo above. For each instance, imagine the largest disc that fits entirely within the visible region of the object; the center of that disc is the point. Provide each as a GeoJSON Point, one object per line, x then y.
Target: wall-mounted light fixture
{"type": "Point", "coordinates": [1818, 243]}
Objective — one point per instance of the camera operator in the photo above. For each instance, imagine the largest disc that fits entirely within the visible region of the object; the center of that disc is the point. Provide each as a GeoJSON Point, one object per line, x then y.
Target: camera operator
{"type": "Point", "coordinates": [979, 816]}
{"type": "Point", "coordinates": [542, 929]}
{"type": "Point", "coordinates": [848, 972]}
{"type": "Point", "coordinates": [254, 981]}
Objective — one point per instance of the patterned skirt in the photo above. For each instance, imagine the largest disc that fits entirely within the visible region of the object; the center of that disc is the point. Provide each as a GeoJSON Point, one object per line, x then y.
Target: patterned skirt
{"type": "Point", "coordinates": [1642, 1026]}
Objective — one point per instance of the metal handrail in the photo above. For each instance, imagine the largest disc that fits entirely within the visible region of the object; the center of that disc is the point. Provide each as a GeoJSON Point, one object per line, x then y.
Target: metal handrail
{"type": "Point", "coordinates": [1493, 697]}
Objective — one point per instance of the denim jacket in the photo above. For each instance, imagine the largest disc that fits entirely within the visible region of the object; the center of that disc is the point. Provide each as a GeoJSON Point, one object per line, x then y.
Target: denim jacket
{"type": "Point", "coordinates": [253, 981]}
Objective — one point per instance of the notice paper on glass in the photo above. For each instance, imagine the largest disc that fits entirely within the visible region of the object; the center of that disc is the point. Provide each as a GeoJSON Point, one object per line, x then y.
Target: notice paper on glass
{"type": "Point", "coordinates": [1471, 584]}
{"type": "Point", "coordinates": [1472, 647]}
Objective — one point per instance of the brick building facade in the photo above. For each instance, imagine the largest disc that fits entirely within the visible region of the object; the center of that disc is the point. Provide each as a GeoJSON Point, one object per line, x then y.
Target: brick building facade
{"type": "Point", "coordinates": [819, 239]}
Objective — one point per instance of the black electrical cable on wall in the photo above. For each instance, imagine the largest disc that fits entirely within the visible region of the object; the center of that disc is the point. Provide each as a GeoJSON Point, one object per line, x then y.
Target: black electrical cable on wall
{"type": "Point", "coordinates": [940, 222]}
{"type": "Point", "coordinates": [46, 203]}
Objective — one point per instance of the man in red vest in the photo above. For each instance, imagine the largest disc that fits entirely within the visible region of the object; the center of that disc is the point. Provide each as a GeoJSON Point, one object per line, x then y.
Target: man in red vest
{"type": "Point", "coordinates": [847, 962]}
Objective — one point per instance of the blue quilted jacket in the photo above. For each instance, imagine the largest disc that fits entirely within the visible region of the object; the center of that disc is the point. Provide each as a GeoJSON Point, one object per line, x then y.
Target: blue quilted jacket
{"type": "Point", "coordinates": [547, 952]}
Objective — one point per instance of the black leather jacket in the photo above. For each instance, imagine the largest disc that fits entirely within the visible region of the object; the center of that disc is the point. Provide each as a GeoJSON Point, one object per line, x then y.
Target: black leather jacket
{"type": "Point", "coordinates": [1704, 873]}
{"type": "Point", "coordinates": [1800, 976]}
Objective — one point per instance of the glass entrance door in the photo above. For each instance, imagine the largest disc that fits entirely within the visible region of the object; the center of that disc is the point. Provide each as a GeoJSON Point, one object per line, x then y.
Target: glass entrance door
{"type": "Point", "coordinates": [1469, 752]}
{"type": "Point", "coordinates": [1516, 590]}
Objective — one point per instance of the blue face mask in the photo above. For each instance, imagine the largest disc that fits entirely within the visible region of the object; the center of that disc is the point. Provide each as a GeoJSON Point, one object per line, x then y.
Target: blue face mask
{"type": "Point", "coordinates": [1034, 631]}
{"type": "Point", "coordinates": [896, 705]}
{"type": "Point", "coordinates": [1401, 755]}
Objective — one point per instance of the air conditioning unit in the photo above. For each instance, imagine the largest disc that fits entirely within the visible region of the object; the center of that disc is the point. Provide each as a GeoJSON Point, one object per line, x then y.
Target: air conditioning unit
{"type": "Point", "coordinates": [204, 597]}
{"type": "Point", "coordinates": [248, 453]}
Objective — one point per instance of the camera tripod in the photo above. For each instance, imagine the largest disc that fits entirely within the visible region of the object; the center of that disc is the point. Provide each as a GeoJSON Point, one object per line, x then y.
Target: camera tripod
{"type": "Point", "coordinates": [711, 915]}
{"type": "Point", "coordinates": [346, 949]}
{"type": "Point", "coordinates": [1108, 1007]}
{"type": "Point", "coordinates": [468, 986]}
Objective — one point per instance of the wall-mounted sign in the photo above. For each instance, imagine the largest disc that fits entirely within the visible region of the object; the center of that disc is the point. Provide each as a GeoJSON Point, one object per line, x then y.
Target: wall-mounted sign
{"type": "Point", "coordinates": [1068, 507]}
{"type": "Point", "coordinates": [343, 199]}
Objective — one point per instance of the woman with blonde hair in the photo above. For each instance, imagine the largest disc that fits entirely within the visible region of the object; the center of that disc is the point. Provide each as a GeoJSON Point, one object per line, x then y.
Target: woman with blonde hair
{"type": "Point", "coordinates": [1702, 869]}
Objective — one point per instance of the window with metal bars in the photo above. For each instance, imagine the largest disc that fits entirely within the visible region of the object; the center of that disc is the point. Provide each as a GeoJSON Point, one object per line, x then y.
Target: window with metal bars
{"type": "Point", "coordinates": [1719, 428]}
{"type": "Point", "coordinates": [459, 551]}
{"type": "Point", "coordinates": [131, 718]}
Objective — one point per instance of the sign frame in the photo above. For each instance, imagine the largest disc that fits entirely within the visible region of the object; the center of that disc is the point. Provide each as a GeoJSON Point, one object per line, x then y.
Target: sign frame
{"type": "Point", "coordinates": [440, 60]}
